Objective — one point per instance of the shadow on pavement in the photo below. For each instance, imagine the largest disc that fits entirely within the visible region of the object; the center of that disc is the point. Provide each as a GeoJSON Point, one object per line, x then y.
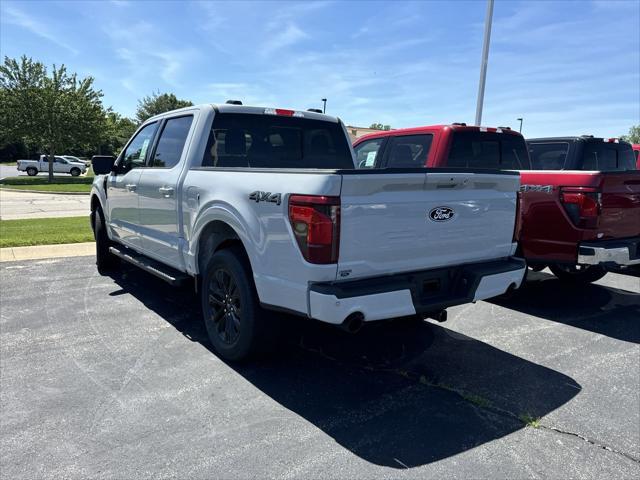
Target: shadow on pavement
{"type": "Point", "coordinates": [608, 311]}
{"type": "Point", "coordinates": [397, 394]}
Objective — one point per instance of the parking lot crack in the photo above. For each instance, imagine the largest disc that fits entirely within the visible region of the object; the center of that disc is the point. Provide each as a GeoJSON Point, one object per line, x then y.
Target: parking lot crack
{"type": "Point", "coordinates": [486, 405]}
{"type": "Point", "coordinates": [595, 443]}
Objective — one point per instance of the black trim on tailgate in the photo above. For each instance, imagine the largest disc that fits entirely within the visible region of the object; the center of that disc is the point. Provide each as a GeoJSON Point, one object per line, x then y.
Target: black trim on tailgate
{"type": "Point", "coordinates": [431, 290]}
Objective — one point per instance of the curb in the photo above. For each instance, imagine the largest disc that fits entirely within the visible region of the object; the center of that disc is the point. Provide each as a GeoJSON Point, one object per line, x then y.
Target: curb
{"type": "Point", "coordinates": [42, 191]}
{"type": "Point", "coordinates": [12, 254]}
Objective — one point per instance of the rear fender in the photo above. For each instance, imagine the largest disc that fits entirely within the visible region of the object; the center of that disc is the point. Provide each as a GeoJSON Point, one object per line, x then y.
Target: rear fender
{"type": "Point", "coordinates": [225, 215]}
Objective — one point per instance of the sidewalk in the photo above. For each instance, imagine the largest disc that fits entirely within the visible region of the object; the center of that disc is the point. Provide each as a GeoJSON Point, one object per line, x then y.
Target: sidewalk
{"type": "Point", "coordinates": [16, 205]}
{"type": "Point", "coordinates": [12, 254]}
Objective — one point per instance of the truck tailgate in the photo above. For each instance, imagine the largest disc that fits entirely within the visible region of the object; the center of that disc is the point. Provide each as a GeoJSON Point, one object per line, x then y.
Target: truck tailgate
{"type": "Point", "coordinates": [401, 222]}
{"type": "Point", "coordinates": [620, 217]}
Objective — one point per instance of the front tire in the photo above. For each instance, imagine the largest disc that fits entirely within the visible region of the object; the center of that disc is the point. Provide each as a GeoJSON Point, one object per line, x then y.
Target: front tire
{"type": "Point", "coordinates": [75, 172]}
{"type": "Point", "coordinates": [32, 172]}
{"type": "Point", "coordinates": [105, 260]}
{"type": "Point", "coordinates": [578, 274]}
{"type": "Point", "coordinates": [237, 326]}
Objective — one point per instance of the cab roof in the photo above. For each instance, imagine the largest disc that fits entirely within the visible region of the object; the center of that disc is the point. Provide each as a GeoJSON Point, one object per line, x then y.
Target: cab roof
{"type": "Point", "coordinates": [456, 127]}
{"type": "Point", "coordinates": [582, 138]}
{"type": "Point", "coordinates": [247, 109]}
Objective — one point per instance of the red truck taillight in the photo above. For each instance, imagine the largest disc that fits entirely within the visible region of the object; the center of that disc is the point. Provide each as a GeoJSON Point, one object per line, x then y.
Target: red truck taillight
{"type": "Point", "coordinates": [582, 204]}
{"type": "Point", "coordinates": [315, 220]}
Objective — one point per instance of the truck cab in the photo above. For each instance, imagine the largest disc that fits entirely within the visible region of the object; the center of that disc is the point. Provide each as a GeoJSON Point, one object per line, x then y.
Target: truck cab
{"type": "Point", "coordinates": [437, 146]}
{"type": "Point", "coordinates": [636, 152]}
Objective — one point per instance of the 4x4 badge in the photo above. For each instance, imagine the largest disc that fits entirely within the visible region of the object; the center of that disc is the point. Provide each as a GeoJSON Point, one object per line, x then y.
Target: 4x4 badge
{"type": "Point", "coordinates": [258, 196]}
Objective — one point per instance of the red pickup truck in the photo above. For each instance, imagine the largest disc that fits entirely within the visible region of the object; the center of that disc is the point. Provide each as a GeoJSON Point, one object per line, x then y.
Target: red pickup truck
{"type": "Point", "coordinates": [579, 203]}
{"type": "Point", "coordinates": [636, 152]}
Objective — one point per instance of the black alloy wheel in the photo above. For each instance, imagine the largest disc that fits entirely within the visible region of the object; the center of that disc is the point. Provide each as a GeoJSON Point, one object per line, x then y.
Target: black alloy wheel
{"type": "Point", "coordinates": [225, 306]}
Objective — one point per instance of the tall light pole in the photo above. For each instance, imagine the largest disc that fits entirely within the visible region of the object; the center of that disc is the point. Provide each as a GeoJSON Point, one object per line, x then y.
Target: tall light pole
{"type": "Point", "coordinates": [485, 59]}
{"type": "Point", "coordinates": [324, 105]}
{"type": "Point", "coordinates": [520, 120]}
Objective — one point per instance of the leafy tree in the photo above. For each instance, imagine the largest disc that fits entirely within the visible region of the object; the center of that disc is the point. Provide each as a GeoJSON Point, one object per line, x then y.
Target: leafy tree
{"type": "Point", "coordinates": [117, 131]}
{"type": "Point", "coordinates": [56, 112]}
{"type": "Point", "coordinates": [633, 136]}
{"type": "Point", "coordinates": [379, 126]}
{"type": "Point", "coordinates": [157, 103]}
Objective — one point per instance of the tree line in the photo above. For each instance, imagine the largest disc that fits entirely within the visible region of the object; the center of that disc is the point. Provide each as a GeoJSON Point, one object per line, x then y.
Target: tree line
{"type": "Point", "coordinates": [55, 112]}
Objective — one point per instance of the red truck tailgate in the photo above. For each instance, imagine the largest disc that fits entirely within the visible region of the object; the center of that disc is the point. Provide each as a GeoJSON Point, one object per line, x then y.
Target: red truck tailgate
{"type": "Point", "coordinates": [620, 216]}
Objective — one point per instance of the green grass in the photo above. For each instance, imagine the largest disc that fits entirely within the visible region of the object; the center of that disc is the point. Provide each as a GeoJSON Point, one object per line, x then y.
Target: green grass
{"type": "Point", "coordinates": [529, 420]}
{"type": "Point", "coordinates": [59, 184]}
{"type": "Point", "coordinates": [44, 231]}
{"type": "Point", "coordinates": [8, 164]}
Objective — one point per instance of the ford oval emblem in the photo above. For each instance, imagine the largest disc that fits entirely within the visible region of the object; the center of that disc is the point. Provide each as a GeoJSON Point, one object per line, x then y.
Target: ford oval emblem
{"type": "Point", "coordinates": [441, 214]}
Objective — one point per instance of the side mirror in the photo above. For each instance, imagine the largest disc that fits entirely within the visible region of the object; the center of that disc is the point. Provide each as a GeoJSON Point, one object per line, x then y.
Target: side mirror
{"type": "Point", "coordinates": [102, 165]}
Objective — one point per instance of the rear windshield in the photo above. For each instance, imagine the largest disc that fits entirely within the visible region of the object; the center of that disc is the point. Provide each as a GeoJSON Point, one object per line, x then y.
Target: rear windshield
{"type": "Point", "coordinates": [607, 157]}
{"type": "Point", "coordinates": [488, 150]}
{"type": "Point", "coordinates": [548, 156]}
{"type": "Point", "coordinates": [274, 141]}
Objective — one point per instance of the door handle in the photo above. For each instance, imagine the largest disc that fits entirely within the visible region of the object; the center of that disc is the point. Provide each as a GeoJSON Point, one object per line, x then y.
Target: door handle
{"type": "Point", "coordinates": [166, 191]}
{"type": "Point", "coordinates": [131, 187]}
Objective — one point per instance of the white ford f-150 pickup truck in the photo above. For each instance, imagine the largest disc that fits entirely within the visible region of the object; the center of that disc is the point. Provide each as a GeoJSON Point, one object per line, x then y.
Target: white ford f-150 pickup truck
{"type": "Point", "coordinates": [264, 208]}
{"type": "Point", "coordinates": [60, 165]}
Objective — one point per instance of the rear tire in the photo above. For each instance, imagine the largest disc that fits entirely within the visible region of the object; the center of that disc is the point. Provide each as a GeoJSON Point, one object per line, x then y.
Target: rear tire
{"type": "Point", "coordinates": [32, 172]}
{"type": "Point", "coordinates": [237, 326]}
{"type": "Point", "coordinates": [75, 172]}
{"type": "Point", "coordinates": [578, 274]}
{"type": "Point", "coordinates": [105, 260]}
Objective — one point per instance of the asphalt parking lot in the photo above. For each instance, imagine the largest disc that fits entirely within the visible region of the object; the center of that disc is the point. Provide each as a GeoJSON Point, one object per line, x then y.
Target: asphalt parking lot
{"type": "Point", "coordinates": [112, 377]}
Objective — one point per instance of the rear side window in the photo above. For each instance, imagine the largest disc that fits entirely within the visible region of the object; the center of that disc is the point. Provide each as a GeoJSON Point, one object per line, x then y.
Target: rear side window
{"type": "Point", "coordinates": [607, 157]}
{"type": "Point", "coordinates": [500, 151]}
{"type": "Point", "coordinates": [273, 141]}
{"type": "Point", "coordinates": [409, 151]}
{"type": "Point", "coordinates": [548, 156]}
{"type": "Point", "coordinates": [171, 142]}
{"type": "Point", "coordinates": [367, 152]}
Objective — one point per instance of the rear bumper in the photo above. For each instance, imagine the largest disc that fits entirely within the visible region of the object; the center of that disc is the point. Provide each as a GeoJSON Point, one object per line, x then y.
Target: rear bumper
{"type": "Point", "coordinates": [622, 252]}
{"type": "Point", "coordinates": [416, 292]}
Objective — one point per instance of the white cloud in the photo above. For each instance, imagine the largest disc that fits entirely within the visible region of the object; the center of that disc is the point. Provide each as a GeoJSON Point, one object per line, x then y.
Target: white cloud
{"type": "Point", "coordinates": [139, 47]}
{"type": "Point", "coordinates": [278, 38]}
{"type": "Point", "coordinates": [15, 16]}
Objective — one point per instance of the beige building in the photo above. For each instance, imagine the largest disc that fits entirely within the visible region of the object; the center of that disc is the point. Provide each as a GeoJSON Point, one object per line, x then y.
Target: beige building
{"type": "Point", "coordinates": [357, 132]}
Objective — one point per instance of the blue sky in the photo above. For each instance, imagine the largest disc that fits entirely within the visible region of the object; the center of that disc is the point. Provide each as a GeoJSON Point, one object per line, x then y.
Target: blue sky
{"type": "Point", "coordinates": [566, 67]}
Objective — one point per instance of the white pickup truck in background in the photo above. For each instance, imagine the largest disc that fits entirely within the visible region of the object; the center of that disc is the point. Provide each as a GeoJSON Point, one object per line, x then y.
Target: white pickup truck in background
{"type": "Point", "coordinates": [60, 165]}
{"type": "Point", "coordinates": [264, 208]}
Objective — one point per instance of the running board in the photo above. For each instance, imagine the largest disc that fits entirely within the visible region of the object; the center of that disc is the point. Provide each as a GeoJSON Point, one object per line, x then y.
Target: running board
{"type": "Point", "coordinates": [168, 274]}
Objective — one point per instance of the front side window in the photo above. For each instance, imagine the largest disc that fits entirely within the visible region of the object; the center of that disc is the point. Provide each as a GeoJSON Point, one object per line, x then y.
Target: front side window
{"type": "Point", "coordinates": [274, 141]}
{"type": "Point", "coordinates": [409, 151]}
{"type": "Point", "coordinates": [367, 152]}
{"type": "Point", "coordinates": [136, 152]}
{"type": "Point", "coordinates": [548, 156]}
{"type": "Point", "coordinates": [171, 142]}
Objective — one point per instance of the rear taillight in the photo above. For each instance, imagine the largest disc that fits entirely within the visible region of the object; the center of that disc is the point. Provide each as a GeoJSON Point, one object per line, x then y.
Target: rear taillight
{"type": "Point", "coordinates": [315, 221]}
{"type": "Point", "coordinates": [582, 204]}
